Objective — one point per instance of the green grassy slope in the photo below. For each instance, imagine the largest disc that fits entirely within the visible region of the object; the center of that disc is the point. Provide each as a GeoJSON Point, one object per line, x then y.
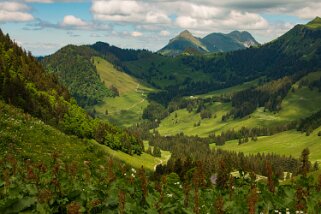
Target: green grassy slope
{"type": "Point", "coordinates": [285, 143]}
{"type": "Point", "coordinates": [126, 109]}
{"type": "Point", "coordinates": [299, 104]}
{"type": "Point", "coordinates": [34, 140]}
{"type": "Point", "coordinates": [230, 90]}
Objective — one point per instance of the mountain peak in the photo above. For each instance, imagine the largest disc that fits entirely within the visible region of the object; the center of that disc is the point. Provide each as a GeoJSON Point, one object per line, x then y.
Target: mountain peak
{"type": "Point", "coordinates": [316, 20]}
{"type": "Point", "coordinates": [315, 23]}
{"type": "Point", "coordinates": [185, 32]}
{"type": "Point", "coordinates": [186, 35]}
{"type": "Point", "coordinates": [214, 42]}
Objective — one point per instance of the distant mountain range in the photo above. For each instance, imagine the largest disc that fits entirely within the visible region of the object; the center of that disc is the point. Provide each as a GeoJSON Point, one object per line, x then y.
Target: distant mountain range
{"type": "Point", "coordinates": [186, 43]}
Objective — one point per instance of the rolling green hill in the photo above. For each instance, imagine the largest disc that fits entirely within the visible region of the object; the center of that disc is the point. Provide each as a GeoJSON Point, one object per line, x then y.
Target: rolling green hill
{"type": "Point", "coordinates": [127, 108]}
{"type": "Point", "coordinates": [299, 103]}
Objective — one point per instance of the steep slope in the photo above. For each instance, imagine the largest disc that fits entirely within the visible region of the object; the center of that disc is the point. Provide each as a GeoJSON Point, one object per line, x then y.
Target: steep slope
{"type": "Point", "coordinates": [127, 108]}
{"type": "Point", "coordinates": [25, 84]}
{"type": "Point", "coordinates": [72, 64]}
{"type": "Point", "coordinates": [244, 37]}
{"type": "Point", "coordinates": [185, 41]}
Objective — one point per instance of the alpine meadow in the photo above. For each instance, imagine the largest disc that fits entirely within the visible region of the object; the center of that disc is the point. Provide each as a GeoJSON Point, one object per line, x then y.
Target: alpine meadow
{"type": "Point", "coordinates": [116, 106]}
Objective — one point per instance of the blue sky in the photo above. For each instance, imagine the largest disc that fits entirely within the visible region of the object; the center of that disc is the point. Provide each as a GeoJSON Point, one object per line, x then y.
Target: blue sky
{"type": "Point", "coordinates": [44, 26]}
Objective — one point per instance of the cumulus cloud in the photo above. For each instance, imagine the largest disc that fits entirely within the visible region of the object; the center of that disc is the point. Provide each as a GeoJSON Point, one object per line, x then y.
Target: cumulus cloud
{"type": "Point", "coordinates": [14, 12]}
{"type": "Point", "coordinates": [136, 34]}
{"type": "Point", "coordinates": [310, 11]}
{"type": "Point", "coordinates": [51, 1]}
{"type": "Point", "coordinates": [129, 11]}
{"type": "Point", "coordinates": [164, 33]}
{"type": "Point", "coordinates": [183, 14]}
{"type": "Point", "coordinates": [71, 20]}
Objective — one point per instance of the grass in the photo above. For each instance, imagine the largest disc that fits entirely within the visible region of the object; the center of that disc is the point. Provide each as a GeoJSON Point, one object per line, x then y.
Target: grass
{"type": "Point", "coordinates": [230, 90]}
{"type": "Point", "coordinates": [285, 143]}
{"type": "Point", "coordinates": [148, 161]}
{"type": "Point", "coordinates": [296, 105]}
{"type": "Point", "coordinates": [37, 141]}
{"type": "Point", "coordinates": [126, 109]}
{"type": "Point", "coordinates": [111, 76]}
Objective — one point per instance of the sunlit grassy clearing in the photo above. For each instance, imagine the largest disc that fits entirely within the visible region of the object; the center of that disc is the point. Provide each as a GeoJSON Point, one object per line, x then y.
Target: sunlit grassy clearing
{"type": "Point", "coordinates": [285, 143]}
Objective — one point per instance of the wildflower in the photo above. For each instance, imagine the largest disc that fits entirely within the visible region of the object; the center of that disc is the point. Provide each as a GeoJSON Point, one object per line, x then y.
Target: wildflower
{"type": "Point", "coordinates": [213, 179]}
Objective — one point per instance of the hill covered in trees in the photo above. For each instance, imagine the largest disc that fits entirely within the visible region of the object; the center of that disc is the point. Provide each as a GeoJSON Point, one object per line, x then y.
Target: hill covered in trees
{"type": "Point", "coordinates": [75, 70]}
{"type": "Point", "coordinates": [24, 84]}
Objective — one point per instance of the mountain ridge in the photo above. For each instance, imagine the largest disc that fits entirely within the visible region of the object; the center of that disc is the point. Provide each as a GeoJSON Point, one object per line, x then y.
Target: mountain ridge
{"type": "Point", "coordinates": [214, 42]}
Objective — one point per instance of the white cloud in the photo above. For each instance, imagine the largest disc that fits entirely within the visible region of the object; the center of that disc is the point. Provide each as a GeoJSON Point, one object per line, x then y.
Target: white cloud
{"type": "Point", "coordinates": [164, 33]}
{"type": "Point", "coordinates": [51, 1]}
{"type": "Point", "coordinates": [157, 18]}
{"type": "Point", "coordinates": [309, 11]}
{"type": "Point", "coordinates": [129, 12]}
{"type": "Point", "coordinates": [14, 12]}
{"type": "Point", "coordinates": [185, 14]}
{"type": "Point", "coordinates": [73, 21]}
{"type": "Point", "coordinates": [136, 34]}
{"type": "Point", "coordinates": [122, 11]}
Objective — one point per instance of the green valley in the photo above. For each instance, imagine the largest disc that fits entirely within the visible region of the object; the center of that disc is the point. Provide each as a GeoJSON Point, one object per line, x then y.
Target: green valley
{"type": "Point", "coordinates": [299, 103]}
{"type": "Point", "coordinates": [210, 124]}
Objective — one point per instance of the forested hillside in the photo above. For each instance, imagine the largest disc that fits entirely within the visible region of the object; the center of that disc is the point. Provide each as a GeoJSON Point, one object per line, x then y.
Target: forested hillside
{"type": "Point", "coordinates": [75, 70]}
{"type": "Point", "coordinates": [26, 85]}
{"type": "Point", "coordinates": [295, 53]}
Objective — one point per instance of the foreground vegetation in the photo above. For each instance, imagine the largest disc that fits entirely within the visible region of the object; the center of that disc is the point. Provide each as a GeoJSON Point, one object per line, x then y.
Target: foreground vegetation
{"type": "Point", "coordinates": [51, 184]}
